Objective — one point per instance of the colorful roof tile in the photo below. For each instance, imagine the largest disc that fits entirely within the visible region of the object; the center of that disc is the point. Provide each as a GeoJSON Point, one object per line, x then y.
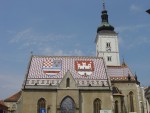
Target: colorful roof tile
{"type": "Point", "coordinates": [45, 70]}
{"type": "Point", "coordinates": [120, 73]}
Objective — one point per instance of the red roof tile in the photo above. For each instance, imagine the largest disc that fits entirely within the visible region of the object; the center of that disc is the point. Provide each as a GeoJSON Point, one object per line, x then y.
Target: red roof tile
{"type": "Point", "coordinates": [41, 70]}
{"type": "Point", "coordinates": [13, 98]}
{"type": "Point", "coordinates": [119, 71]}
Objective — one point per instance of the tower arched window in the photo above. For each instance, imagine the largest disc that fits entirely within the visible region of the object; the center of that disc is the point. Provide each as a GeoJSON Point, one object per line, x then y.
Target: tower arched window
{"type": "Point", "coordinates": [41, 105]}
{"type": "Point", "coordinates": [97, 105]}
{"type": "Point", "coordinates": [116, 106]}
{"type": "Point", "coordinates": [108, 44]}
{"type": "Point", "coordinates": [131, 102]}
{"type": "Point", "coordinates": [68, 82]}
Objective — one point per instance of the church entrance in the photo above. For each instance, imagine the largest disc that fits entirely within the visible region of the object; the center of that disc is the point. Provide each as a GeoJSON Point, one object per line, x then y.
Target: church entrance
{"type": "Point", "coordinates": [67, 105]}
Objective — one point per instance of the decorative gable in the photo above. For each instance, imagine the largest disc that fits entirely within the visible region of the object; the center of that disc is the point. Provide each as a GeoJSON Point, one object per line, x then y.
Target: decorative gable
{"type": "Point", "coordinates": [68, 82]}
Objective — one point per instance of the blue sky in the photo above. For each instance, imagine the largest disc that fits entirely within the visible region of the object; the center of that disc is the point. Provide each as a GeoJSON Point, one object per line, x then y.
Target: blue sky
{"type": "Point", "coordinates": [68, 27]}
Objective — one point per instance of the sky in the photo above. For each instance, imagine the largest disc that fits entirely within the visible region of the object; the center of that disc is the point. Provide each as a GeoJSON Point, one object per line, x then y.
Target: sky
{"type": "Point", "coordinates": [68, 28]}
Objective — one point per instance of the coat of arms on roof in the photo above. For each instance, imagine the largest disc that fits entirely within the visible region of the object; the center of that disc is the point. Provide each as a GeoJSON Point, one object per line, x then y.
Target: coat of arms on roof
{"type": "Point", "coordinates": [84, 68]}
{"type": "Point", "coordinates": [51, 67]}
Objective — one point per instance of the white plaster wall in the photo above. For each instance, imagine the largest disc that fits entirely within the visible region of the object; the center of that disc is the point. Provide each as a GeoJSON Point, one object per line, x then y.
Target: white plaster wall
{"type": "Point", "coordinates": [102, 52]}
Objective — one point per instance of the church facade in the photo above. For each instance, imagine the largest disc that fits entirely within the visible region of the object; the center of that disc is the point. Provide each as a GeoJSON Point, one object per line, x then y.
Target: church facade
{"type": "Point", "coordinates": [66, 85]}
{"type": "Point", "coordinates": [79, 84]}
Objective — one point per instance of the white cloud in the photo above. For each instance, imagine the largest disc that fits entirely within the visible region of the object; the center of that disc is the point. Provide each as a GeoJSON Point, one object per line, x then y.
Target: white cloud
{"type": "Point", "coordinates": [138, 41]}
{"type": "Point", "coordinates": [121, 41]}
{"type": "Point", "coordinates": [29, 39]}
{"type": "Point", "coordinates": [76, 52]}
{"type": "Point", "coordinates": [22, 35]}
{"type": "Point", "coordinates": [51, 52]}
{"type": "Point", "coordinates": [132, 27]}
{"type": "Point", "coordinates": [47, 44]}
{"type": "Point", "coordinates": [135, 8]}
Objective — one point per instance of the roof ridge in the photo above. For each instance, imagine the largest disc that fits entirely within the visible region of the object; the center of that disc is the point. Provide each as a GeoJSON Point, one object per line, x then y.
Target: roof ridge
{"type": "Point", "coordinates": [69, 56]}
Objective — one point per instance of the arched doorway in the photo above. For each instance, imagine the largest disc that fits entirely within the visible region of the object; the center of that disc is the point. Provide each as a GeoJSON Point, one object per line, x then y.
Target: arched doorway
{"type": "Point", "coordinates": [67, 105]}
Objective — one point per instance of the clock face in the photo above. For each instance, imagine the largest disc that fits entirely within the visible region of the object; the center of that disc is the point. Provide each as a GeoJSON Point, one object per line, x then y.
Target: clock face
{"type": "Point", "coordinates": [108, 49]}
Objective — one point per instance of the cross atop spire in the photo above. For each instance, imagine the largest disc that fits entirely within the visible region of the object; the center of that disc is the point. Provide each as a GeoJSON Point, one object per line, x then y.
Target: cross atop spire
{"type": "Point", "coordinates": [103, 4]}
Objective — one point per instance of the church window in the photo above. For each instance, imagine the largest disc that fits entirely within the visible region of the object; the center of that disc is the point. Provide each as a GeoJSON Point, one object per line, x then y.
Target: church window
{"type": "Point", "coordinates": [97, 105]}
{"type": "Point", "coordinates": [108, 45]}
{"type": "Point", "coordinates": [41, 106]}
{"type": "Point", "coordinates": [68, 82]}
{"type": "Point", "coordinates": [116, 106]}
{"type": "Point", "coordinates": [109, 58]}
{"type": "Point", "coordinates": [67, 105]}
{"type": "Point", "coordinates": [142, 107]}
{"type": "Point", "coordinates": [131, 102]}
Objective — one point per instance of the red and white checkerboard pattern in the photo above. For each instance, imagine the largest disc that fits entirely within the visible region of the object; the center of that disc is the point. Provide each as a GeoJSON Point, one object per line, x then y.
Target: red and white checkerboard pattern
{"type": "Point", "coordinates": [35, 72]}
{"type": "Point", "coordinates": [47, 64]}
{"type": "Point", "coordinates": [119, 71]}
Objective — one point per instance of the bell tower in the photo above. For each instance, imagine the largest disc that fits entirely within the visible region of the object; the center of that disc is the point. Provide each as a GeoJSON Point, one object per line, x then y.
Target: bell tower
{"type": "Point", "coordinates": [107, 41]}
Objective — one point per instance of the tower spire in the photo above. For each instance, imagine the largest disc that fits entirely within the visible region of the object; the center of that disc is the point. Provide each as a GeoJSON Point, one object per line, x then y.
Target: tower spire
{"type": "Point", "coordinates": [105, 24]}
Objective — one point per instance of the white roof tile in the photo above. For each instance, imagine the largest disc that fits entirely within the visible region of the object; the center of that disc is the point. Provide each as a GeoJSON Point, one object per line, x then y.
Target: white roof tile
{"type": "Point", "coordinates": [37, 70]}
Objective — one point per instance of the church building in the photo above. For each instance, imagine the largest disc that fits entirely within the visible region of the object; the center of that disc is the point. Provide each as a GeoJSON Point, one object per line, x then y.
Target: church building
{"type": "Point", "coordinates": [82, 84]}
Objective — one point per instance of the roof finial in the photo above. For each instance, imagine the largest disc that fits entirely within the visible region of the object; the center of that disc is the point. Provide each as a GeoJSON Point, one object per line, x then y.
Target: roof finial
{"type": "Point", "coordinates": [123, 63]}
{"type": "Point", "coordinates": [103, 4]}
{"type": "Point", "coordinates": [31, 53]}
{"type": "Point", "coordinates": [135, 76]}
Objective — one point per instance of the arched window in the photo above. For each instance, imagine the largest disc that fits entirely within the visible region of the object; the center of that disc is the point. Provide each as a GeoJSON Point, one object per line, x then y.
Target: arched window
{"type": "Point", "coordinates": [97, 105]}
{"type": "Point", "coordinates": [131, 102]}
{"type": "Point", "coordinates": [116, 106]}
{"type": "Point", "coordinates": [41, 105]}
{"type": "Point", "coordinates": [68, 82]}
{"type": "Point", "coordinates": [67, 105]}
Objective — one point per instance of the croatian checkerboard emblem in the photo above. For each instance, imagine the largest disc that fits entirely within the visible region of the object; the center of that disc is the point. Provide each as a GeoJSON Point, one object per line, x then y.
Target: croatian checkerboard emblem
{"type": "Point", "coordinates": [52, 67]}
{"type": "Point", "coordinates": [84, 68]}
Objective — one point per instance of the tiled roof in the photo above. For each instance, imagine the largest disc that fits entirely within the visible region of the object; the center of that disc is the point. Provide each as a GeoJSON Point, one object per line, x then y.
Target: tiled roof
{"type": "Point", "coordinates": [2, 104]}
{"type": "Point", "coordinates": [39, 71]}
{"type": "Point", "coordinates": [13, 98]}
{"type": "Point", "coordinates": [120, 73]}
{"type": "Point", "coordinates": [121, 78]}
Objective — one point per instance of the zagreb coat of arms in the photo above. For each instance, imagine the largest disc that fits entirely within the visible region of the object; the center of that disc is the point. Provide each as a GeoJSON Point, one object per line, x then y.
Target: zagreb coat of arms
{"type": "Point", "coordinates": [84, 68]}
